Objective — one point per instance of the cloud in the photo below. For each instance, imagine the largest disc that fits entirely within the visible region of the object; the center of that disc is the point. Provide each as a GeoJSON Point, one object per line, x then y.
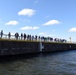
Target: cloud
{"type": "Point", "coordinates": [27, 12]}
{"type": "Point", "coordinates": [29, 28]}
{"type": "Point", "coordinates": [72, 29]}
{"type": "Point", "coordinates": [51, 22]}
{"type": "Point", "coordinates": [11, 23]}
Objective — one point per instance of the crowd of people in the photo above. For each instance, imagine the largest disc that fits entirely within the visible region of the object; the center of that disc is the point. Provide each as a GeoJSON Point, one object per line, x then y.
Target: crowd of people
{"type": "Point", "coordinates": [31, 37]}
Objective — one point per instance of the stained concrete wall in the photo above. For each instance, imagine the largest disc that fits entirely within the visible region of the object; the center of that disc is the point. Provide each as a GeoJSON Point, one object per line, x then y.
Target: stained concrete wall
{"type": "Point", "coordinates": [12, 47]}
{"type": "Point", "coordinates": [52, 46]}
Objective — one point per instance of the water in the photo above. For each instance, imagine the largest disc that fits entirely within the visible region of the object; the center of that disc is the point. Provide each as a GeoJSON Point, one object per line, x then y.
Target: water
{"type": "Point", "coordinates": [60, 63]}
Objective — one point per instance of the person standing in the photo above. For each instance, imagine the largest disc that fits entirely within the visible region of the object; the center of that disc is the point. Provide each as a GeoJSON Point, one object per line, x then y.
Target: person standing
{"type": "Point", "coordinates": [21, 36]}
{"type": "Point", "coordinates": [1, 33]}
{"type": "Point", "coordinates": [9, 35]}
{"type": "Point", "coordinates": [24, 36]}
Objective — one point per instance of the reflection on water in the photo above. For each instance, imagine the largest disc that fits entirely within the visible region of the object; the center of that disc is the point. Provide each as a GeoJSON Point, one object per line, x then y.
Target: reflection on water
{"type": "Point", "coordinates": [60, 63]}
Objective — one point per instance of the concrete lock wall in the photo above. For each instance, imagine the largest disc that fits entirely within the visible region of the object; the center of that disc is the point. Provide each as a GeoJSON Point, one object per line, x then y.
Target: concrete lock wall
{"type": "Point", "coordinates": [49, 47]}
{"type": "Point", "coordinates": [12, 47]}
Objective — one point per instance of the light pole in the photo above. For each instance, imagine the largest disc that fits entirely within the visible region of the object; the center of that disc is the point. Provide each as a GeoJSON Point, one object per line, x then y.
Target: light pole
{"type": "Point", "coordinates": [70, 39]}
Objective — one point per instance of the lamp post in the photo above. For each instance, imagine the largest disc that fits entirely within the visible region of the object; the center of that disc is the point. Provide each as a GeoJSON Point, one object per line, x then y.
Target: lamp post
{"type": "Point", "coordinates": [70, 39]}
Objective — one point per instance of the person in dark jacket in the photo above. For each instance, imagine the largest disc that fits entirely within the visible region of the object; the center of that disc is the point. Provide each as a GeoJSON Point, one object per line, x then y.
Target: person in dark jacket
{"type": "Point", "coordinates": [29, 37]}
{"type": "Point", "coordinates": [24, 36]}
{"type": "Point", "coordinates": [21, 36]}
{"type": "Point", "coordinates": [39, 38]}
{"type": "Point", "coordinates": [9, 35]}
{"type": "Point", "coordinates": [1, 33]}
{"type": "Point", "coordinates": [16, 35]}
{"type": "Point", "coordinates": [35, 37]}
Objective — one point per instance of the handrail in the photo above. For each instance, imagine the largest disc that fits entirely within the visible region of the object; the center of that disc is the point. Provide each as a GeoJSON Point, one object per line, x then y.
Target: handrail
{"type": "Point", "coordinates": [34, 38]}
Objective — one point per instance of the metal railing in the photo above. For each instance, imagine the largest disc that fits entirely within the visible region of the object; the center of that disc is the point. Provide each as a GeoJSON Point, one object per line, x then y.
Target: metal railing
{"type": "Point", "coordinates": [13, 37]}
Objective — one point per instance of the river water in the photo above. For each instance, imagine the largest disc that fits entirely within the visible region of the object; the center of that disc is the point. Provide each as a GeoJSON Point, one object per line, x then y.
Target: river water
{"type": "Point", "coordinates": [60, 63]}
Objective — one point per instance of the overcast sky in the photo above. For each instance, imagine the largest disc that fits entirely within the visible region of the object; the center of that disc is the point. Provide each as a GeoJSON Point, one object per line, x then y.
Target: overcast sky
{"type": "Point", "coordinates": [54, 18]}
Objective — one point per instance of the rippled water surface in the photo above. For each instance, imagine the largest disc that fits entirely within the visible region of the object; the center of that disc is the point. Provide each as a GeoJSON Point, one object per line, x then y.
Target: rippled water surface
{"type": "Point", "coordinates": [60, 63]}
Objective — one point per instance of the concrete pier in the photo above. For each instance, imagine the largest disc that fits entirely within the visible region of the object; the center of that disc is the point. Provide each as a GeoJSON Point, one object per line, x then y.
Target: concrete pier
{"type": "Point", "coordinates": [53, 46]}
{"type": "Point", "coordinates": [13, 47]}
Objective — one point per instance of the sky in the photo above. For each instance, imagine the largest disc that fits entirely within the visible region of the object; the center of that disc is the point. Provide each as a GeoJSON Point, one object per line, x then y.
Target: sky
{"type": "Point", "coordinates": [53, 18]}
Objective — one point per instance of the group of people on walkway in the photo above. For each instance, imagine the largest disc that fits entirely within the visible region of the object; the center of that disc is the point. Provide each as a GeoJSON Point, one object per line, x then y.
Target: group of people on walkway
{"type": "Point", "coordinates": [16, 35]}
{"type": "Point", "coordinates": [23, 36]}
{"type": "Point", "coordinates": [31, 37]}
